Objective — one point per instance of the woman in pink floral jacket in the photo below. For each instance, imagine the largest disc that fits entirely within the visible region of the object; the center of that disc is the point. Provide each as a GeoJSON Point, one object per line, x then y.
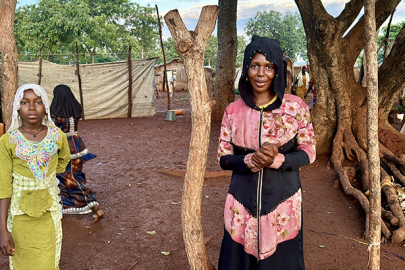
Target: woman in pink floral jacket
{"type": "Point", "coordinates": [266, 136]}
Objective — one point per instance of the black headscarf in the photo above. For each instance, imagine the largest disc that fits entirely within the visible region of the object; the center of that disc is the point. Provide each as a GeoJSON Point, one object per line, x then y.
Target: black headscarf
{"type": "Point", "coordinates": [64, 103]}
{"type": "Point", "coordinates": [271, 49]}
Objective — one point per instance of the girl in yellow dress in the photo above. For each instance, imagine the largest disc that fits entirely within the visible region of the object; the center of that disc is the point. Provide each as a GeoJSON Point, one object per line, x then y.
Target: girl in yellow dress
{"type": "Point", "coordinates": [32, 152]}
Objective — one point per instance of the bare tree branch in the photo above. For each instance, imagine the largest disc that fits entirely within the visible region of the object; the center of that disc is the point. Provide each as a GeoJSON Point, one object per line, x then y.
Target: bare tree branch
{"type": "Point", "coordinates": [311, 11]}
{"type": "Point", "coordinates": [355, 38]}
{"type": "Point", "coordinates": [349, 14]}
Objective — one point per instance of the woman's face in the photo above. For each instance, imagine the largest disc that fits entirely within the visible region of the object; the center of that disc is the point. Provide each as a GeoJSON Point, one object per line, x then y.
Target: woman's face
{"type": "Point", "coordinates": [31, 108]}
{"type": "Point", "coordinates": [261, 73]}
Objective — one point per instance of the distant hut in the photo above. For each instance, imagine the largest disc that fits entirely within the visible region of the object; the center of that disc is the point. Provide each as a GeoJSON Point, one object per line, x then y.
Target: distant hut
{"type": "Point", "coordinates": [176, 66]}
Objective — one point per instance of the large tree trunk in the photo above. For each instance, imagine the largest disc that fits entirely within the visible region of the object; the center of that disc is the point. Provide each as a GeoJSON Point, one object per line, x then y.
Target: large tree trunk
{"type": "Point", "coordinates": [224, 91]}
{"type": "Point", "coordinates": [191, 45]}
{"type": "Point", "coordinates": [339, 116]}
{"type": "Point", "coordinates": [9, 54]}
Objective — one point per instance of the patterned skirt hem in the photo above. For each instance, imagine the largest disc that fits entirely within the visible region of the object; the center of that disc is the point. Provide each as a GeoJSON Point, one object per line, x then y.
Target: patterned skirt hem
{"type": "Point", "coordinates": [79, 211]}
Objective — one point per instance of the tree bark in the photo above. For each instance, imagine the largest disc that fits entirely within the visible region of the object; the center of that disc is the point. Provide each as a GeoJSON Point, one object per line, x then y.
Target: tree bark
{"type": "Point", "coordinates": [9, 54]}
{"type": "Point", "coordinates": [340, 113]}
{"type": "Point", "coordinates": [224, 90]}
{"type": "Point", "coordinates": [191, 46]}
{"type": "Point", "coordinates": [372, 135]}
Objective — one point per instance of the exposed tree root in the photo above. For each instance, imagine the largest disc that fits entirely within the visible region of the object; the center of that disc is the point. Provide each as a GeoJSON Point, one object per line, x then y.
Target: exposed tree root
{"type": "Point", "coordinates": [394, 170]}
{"type": "Point", "coordinates": [397, 161]}
{"type": "Point", "coordinates": [399, 236]}
{"type": "Point", "coordinates": [392, 198]}
{"type": "Point", "coordinates": [389, 217]}
{"type": "Point", "coordinates": [346, 147]}
{"type": "Point", "coordinates": [357, 194]}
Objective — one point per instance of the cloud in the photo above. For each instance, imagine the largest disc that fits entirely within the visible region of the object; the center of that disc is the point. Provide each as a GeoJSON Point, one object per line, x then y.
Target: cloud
{"type": "Point", "coordinates": [191, 15]}
{"type": "Point", "coordinates": [248, 9]}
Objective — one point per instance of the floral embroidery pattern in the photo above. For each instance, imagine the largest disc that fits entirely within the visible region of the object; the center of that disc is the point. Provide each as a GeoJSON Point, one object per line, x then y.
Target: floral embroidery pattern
{"type": "Point", "coordinates": [37, 154]}
{"type": "Point", "coordinates": [278, 126]}
{"type": "Point", "coordinates": [282, 224]}
{"type": "Point", "coordinates": [236, 219]}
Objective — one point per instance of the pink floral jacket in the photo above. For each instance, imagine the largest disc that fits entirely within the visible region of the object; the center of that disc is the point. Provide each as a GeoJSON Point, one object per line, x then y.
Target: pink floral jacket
{"type": "Point", "coordinates": [280, 214]}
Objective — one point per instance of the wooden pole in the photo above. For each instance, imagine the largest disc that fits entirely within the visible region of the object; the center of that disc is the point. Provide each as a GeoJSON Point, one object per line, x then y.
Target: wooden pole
{"type": "Point", "coordinates": [164, 61]}
{"type": "Point", "coordinates": [191, 47]}
{"type": "Point", "coordinates": [40, 64]}
{"type": "Point", "coordinates": [129, 83]}
{"type": "Point", "coordinates": [79, 79]}
{"type": "Point", "coordinates": [9, 57]}
{"type": "Point", "coordinates": [372, 135]}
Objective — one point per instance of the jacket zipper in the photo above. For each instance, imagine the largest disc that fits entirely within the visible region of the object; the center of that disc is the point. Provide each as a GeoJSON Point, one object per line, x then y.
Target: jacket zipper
{"type": "Point", "coordinates": [259, 191]}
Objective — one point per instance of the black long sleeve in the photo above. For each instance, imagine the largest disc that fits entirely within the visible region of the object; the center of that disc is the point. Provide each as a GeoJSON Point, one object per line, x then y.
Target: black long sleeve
{"type": "Point", "coordinates": [234, 163]}
{"type": "Point", "coordinates": [294, 160]}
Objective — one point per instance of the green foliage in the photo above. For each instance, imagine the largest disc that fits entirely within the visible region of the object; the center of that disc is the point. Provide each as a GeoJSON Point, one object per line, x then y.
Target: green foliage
{"type": "Point", "coordinates": [170, 50]}
{"type": "Point", "coordinates": [98, 26]}
{"type": "Point", "coordinates": [394, 31]}
{"type": "Point", "coordinates": [241, 50]}
{"type": "Point", "coordinates": [211, 51]}
{"type": "Point", "coordinates": [286, 27]}
{"type": "Point", "coordinates": [143, 26]}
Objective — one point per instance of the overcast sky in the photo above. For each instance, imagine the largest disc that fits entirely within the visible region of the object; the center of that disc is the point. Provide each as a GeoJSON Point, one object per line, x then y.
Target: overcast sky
{"type": "Point", "coordinates": [190, 9]}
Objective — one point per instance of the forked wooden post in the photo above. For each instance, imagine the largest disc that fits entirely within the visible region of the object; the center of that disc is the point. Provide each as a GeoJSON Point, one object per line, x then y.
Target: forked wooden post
{"type": "Point", "coordinates": [191, 47]}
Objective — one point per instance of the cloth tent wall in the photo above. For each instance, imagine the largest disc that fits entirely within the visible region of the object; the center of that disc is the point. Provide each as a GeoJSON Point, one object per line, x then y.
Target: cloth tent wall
{"type": "Point", "coordinates": [104, 86]}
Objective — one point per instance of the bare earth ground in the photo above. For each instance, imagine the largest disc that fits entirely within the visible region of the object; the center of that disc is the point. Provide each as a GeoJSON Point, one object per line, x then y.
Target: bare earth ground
{"type": "Point", "coordinates": [138, 198]}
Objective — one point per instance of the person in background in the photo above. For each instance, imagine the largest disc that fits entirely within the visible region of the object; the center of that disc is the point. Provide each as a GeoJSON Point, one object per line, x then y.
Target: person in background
{"type": "Point", "coordinates": [302, 80]}
{"type": "Point", "coordinates": [265, 137]}
{"type": "Point", "coordinates": [77, 197]}
{"type": "Point", "coordinates": [311, 88]}
{"type": "Point", "coordinates": [32, 152]}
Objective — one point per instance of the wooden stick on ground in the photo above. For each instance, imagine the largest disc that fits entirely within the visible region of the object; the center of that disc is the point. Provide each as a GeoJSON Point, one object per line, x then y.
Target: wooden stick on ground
{"type": "Point", "coordinates": [134, 264]}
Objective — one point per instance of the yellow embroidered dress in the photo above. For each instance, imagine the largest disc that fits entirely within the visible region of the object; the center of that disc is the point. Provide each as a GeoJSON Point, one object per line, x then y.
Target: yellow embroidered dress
{"type": "Point", "coordinates": [28, 176]}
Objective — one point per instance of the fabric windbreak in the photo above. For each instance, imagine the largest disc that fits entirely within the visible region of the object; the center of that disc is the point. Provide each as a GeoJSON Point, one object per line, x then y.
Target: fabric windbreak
{"type": "Point", "coordinates": [104, 86]}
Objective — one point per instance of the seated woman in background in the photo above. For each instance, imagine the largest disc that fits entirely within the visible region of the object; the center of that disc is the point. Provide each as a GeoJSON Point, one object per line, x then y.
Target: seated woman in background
{"type": "Point", "coordinates": [76, 193]}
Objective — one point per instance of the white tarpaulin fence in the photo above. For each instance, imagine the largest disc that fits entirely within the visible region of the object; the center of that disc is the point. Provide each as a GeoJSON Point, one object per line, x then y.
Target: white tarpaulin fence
{"type": "Point", "coordinates": [104, 86]}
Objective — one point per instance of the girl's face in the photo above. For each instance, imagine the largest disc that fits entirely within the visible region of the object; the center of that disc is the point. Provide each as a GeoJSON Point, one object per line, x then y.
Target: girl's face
{"type": "Point", "coordinates": [31, 108]}
{"type": "Point", "coordinates": [261, 73]}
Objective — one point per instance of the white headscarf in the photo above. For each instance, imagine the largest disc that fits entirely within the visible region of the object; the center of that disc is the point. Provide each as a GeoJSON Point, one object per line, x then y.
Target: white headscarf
{"type": "Point", "coordinates": [39, 91]}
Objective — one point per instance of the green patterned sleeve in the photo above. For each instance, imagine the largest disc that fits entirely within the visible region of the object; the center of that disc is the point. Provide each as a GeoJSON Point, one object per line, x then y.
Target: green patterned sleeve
{"type": "Point", "coordinates": [63, 153]}
{"type": "Point", "coordinates": [6, 177]}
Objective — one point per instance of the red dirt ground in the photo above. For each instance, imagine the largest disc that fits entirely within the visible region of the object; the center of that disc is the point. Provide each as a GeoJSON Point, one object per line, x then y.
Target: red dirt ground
{"type": "Point", "coordinates": [140, 192]}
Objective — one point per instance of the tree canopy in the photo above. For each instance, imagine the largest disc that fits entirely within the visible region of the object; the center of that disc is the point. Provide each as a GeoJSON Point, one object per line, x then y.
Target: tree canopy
{"type": "Point", "coordinates": [286, 27]}
{"type": "Point", "coordinates": [98, 26]}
